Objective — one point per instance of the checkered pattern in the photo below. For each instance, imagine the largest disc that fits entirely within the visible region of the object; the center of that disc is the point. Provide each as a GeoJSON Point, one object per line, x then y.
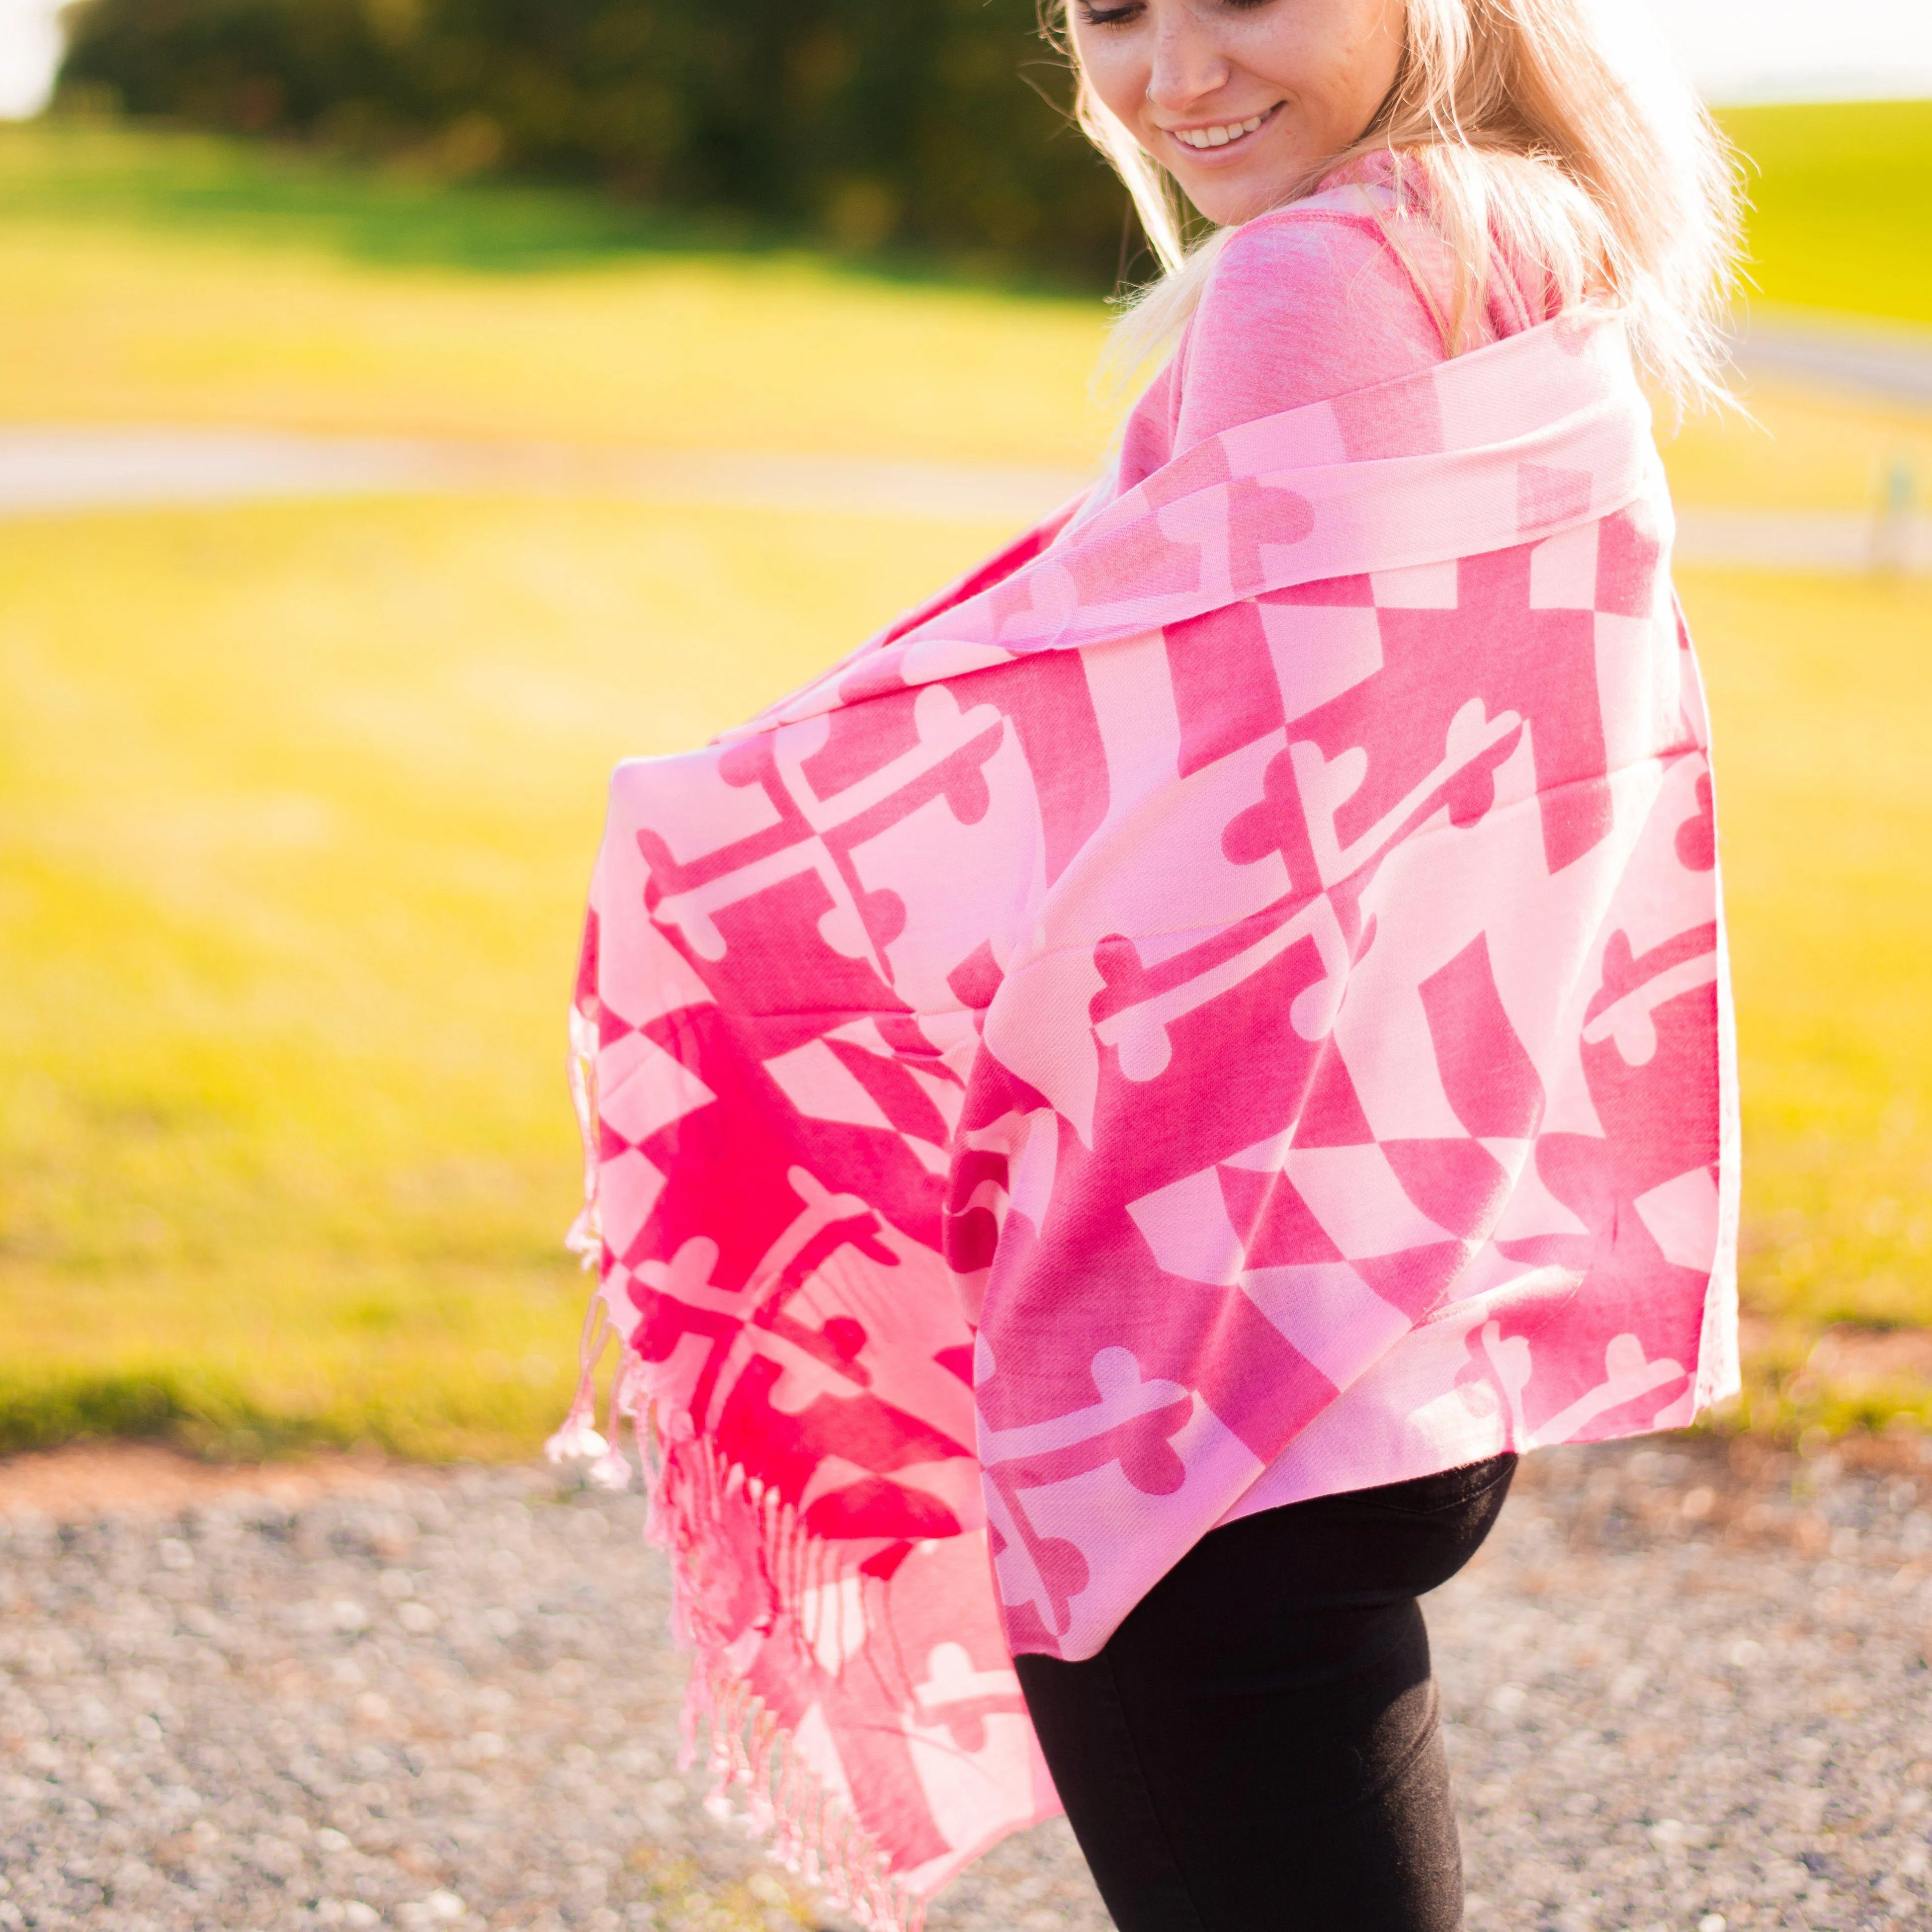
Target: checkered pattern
{"type": "Point", "coordinates": [1230, 1007]}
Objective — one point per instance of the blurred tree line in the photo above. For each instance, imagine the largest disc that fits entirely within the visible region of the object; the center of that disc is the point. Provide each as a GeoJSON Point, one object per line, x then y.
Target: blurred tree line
{"type": "Point", "coordinates": [935, 127]}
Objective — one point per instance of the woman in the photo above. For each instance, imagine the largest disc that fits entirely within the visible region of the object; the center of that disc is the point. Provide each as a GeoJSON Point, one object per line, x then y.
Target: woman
{"type": "Point", "coordinates": [1119, 1111]}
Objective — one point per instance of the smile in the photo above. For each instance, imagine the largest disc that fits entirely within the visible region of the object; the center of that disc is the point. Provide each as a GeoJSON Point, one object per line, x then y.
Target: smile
{"type": "Point", "coordinates": [1230, 135]}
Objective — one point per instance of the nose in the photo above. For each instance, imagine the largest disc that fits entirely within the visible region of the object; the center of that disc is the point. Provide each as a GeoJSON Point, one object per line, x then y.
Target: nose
{"type": "Point", "coordinates": [1187, 65]}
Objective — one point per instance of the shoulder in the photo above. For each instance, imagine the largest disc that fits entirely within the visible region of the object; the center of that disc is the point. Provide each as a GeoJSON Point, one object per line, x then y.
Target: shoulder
{"type": "Point", "coordinates": [1303, 305]}
{"type": "Point", "coordinates": [1305, 253]}
{"type": "Point", "coordinates": [1350, 252]}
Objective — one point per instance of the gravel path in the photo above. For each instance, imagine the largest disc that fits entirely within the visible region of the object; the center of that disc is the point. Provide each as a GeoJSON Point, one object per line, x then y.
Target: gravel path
{"type": "Point", "coordinates": [1684, 1694]}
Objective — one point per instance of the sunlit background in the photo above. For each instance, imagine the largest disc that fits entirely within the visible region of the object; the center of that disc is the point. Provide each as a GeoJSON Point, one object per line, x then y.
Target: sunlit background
{"type": "Point", "coordinates": [1739, 50]}
{"type": "Point", "coordinates": [368, 485]}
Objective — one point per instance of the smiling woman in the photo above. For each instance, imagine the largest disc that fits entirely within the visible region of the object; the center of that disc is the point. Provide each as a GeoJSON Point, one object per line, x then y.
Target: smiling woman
{"type": "Point", "coordinates": [1535, 134]}
{"type": "Point", "coordinates": [1114, 1114]}
{"type": "Point", "coordinates": [1243, 101]}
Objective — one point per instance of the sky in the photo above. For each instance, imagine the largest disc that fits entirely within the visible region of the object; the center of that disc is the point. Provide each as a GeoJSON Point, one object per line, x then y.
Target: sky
{"type": "Point", "coordinates": [1738, 50]}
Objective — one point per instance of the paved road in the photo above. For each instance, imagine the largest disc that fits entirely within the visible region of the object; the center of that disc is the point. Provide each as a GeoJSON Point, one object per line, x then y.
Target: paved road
{"type": "Point", "coordinates": [56, 468]}
{"type": "Point", "coordinates": [53, 470]}
{"type": "Point", "coordinates": [1887, 362]}
{"type": "Point", "coordinates": [1682, 1696]}
{"type": "Point", "coordinates": [1826, 542]}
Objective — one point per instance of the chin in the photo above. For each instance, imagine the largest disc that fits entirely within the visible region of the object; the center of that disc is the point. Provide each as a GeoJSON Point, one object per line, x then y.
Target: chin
{"type": "Point", "coordinates": [1229, 198]}
{"type": "Point", "coordinates": [1228, 203]}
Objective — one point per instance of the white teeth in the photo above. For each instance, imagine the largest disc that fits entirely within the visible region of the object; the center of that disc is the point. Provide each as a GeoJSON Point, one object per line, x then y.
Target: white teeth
{"type": "Point", "coordinates": [1218, 137]}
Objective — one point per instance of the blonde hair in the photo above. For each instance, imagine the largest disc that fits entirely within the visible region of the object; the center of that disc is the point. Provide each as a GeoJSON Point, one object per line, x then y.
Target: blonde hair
{"type": "Point", "coordinates": [1545, 134]}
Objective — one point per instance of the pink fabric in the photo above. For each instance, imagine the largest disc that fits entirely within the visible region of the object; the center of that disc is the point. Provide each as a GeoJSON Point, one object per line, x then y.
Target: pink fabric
{"type": "Point", "coordinates": [1342, 292]}
{"type": "Point", "coordinates": [1231, 999]}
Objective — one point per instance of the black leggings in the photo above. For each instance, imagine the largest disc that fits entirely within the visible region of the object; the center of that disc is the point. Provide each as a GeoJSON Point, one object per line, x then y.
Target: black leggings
{"type": "Point", "coordinates": [1256, 1749]}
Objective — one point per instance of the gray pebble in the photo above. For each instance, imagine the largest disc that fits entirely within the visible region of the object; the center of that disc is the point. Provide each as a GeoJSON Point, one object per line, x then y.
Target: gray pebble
{"type": "Point", "coordinates": [1679, 1699]}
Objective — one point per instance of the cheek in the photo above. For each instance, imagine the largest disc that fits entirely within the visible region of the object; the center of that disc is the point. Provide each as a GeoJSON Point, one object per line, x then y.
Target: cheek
{"type": "Point", "coordinates": [1334, 57]}
{"type": "Point", "coordinates": [1382, 31]}
{"type": "Point", "coordinates": [1115, 70]}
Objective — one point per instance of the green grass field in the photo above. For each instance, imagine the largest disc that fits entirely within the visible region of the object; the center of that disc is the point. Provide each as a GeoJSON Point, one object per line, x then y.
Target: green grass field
{"type": "Point", "coordinates": [299, 805]}
{"type": "Point", "coordinates": [298, 801]}
{"type": "Point", "coordinates": [1842, 213]}
{"type": "Point", "coordinates": [180, 279]}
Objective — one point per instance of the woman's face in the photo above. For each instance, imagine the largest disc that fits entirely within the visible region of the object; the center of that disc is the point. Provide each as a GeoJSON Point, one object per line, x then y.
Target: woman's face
{"type": "Point", "coordinates": [1240, 99]}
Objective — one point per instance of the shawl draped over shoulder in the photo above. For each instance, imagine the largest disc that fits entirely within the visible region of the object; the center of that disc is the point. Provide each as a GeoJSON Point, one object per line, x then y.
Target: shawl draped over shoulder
{"type": "Point", "coordinates": [1229, 1002]}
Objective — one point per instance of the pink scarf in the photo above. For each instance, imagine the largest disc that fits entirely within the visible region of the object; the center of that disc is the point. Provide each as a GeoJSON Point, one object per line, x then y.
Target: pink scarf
{"type": "Point", "coordinates": [1234, 987]}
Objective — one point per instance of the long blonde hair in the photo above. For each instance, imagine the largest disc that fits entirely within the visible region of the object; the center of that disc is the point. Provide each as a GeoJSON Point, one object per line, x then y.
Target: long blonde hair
{"type": "Point", "coordinates": [1533, 136]}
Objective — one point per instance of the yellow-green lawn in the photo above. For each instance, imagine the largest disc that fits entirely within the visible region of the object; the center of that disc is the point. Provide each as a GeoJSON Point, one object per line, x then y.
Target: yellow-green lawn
{"type": "Point", "coordinates": [234, 298]}
{"type": "Point", "coordinates": [296, 809]}
{"type": "Point", "coordinates": [296, 802]}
